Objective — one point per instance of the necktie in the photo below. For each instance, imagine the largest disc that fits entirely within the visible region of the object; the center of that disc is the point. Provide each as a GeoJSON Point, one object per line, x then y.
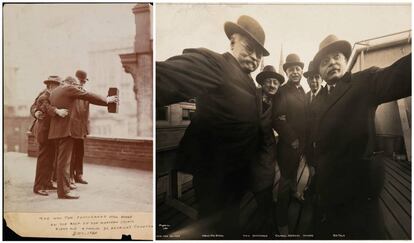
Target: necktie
{"type": "Point", "coordinates": [301, 91]}
{"type": "Point", "coordinates": [331, 89]}
{"type": "Point", "coordinates": [312, 97]}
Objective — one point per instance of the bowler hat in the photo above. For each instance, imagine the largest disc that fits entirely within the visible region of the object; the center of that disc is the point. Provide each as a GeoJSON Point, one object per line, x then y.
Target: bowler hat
{"type": "Point", "coordinates": [69, 80]}
{"type": "Point", "coordinates": [292, 60]}
{"type": "Point", "coordinates": [332, 43]}
{"type": "Point", "coordinates": [249, 27]}
{"type": "Point", "coordinates": [311, 70]}
{"type": "Point", "coordinates": [80, 74]}
{"type": "Point", "coordinates": [53, 79]}
{"type": "Point", "coordinates": [269, 72]}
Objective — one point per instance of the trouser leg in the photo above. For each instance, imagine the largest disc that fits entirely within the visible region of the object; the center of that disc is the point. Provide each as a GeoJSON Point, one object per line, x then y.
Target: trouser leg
{"type": "Point", "coordinates": [64, 157]}
{"type": "Point", "coordinates": [42, 166]}
{"type": "Point", "coordinates": [79, 153]}
{"type": "Point", "coordinates": [283, 199]}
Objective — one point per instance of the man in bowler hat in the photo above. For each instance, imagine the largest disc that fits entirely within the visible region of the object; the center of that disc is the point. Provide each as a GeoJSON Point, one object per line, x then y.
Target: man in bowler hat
{"type": "Point", "coordinates": [289, 111]}
{"type": "Point", "coordinates": [76, 166]}
{"type": "Point", "coordinates": [65, 130]}
{"type": "Point", "coordinates": [346, 184]}
{"type": "Point", "coordinates": [263, 170]}
{"type": "Point", "coordinates": [43, 111]}
{"type": "Point", "coordinates": [225, 133]}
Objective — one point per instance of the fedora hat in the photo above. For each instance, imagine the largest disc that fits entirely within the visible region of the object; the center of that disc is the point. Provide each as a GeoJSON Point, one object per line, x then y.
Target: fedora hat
{"type": "Point", "coordinates": [292, 60]}
{"type": "Point", "coordinates": [311, 70]}
{"type": "Point", "coordinates": [80, 74]}
{"type": "Point", "coordinates": [53, 79]}
{"type": "Point", "coordinates": [249, 27]}
{"type": "Point", "coordinates": [269, 72]}
{"type": "Point", "coordinates": [332, 43]}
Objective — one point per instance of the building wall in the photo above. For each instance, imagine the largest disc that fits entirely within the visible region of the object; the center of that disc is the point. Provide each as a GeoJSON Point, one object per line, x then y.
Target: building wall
{"type": "Point", "coordinates": [15, 133]}
{"type": "Point", "coordinates": [128, 153]}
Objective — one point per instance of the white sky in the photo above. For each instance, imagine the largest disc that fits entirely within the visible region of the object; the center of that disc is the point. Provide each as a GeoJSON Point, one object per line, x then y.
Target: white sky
{"type": "Point", "coordinates": [299, 28]}
{"type": "Point", "coordinates": [46, 39]}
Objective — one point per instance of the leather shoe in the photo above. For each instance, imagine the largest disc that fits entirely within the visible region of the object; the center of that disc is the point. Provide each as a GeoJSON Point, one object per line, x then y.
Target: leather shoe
{"type": "Point", "coordinates": [68, 196]}
{"type": "Point", "coordinates": [80, 180]}
{"type": "Point", "coordinates": [72, 186]}
{"type": "Point", "coordinates": [41, 192]}
{"type": "Point", "coordinates": [50, 187]}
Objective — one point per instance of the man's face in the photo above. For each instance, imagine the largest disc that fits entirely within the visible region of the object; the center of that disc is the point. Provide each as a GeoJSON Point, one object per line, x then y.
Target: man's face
{"type": "Point", "coordinates": [246, 52]}
{"type": "Point", "coordinates": [52, 86]}
{"type": "Point", "coordinates": [332, 67]}
{"type": "Point", "coordinates": [270, 86]}
{"type": "Point", "coordinates": [294, 73]}
{"type": "Point", "coordinates": [314, 81]}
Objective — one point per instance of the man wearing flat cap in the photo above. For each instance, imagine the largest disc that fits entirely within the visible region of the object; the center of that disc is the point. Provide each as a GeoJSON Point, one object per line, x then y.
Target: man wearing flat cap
{"type": "Point", "coordinates": [289, 111]}
{"type": "Point", "coordinates": [42, 111]}
{"type": "Point", "coordinates": [347, 179]}
{"type": "Point", "coordinates": [65, 130]}
{"type": "Point", "coordinates": [225, 134]}
{"type": "Point", "coordinates": [263, 170]}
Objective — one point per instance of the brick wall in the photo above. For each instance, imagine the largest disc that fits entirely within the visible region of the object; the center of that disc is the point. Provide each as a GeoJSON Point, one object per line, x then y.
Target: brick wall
{"type": "Point", "coordinates": [128, 153]}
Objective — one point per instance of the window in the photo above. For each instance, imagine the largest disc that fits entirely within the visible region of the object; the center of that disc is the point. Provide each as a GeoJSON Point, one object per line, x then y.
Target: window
{"type": "Point", "coordinates": [187, 114]}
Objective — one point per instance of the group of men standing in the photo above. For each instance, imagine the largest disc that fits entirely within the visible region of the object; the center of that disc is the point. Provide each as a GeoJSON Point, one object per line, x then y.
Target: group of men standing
{"type": "Point", "coordinates": [229, 146]}
{"type": "Point", "coordinates": [61, 113]}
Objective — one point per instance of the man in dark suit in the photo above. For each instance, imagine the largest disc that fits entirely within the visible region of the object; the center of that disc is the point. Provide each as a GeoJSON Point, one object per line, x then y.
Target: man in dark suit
{"type": "Point", "coordinates": [42, 111]}
{"type": "Point", "coordinates": [76, 166]}
{"type": "Point", "coordinates": [346, 184]}
{"type": "Point", "coordinates": [224, 135]}
{"type": "Point", "coordinates": [65, 130]}
{"type": "Point", "coordinates": [290, 123]}
{"type": "Point", "coordinates": [263, 170]}
{"type": "Point", "coordinates": [313, 98]}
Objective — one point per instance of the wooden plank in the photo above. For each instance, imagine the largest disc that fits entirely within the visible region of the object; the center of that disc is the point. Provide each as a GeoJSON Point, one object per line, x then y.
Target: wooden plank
{"type": "Point", "coordinates": [399, 198]}
{"type": "Point", "coordinates": [403, 219]}
{"type": "Point", "coordinates": [404, 108]}
{"type": "Point", "coordinates": [398, 171]}
{"type": "Point", "coordinates": [393, 229]}
{"type": "Point", "coordinates": [398, 165]}
{"type": "Point", "coordinates": [397, 177]}
{"type": "Point", "coordinates": [400, 187]}
{"type": "Point", "coordinates": [184, 208]}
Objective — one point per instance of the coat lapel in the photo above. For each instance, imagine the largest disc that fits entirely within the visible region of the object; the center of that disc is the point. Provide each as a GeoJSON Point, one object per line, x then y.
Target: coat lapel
{"type": "Point", "coordinates": [340, 89]}
{"type": "Point", "coordinates": [295, 91]}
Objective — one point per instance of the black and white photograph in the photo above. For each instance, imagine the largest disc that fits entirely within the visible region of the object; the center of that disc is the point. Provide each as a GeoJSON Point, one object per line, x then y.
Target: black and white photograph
{"type": "Point", "coordinates": [78, 126]}
{"type": "Point", "coordinates": [283, 121]}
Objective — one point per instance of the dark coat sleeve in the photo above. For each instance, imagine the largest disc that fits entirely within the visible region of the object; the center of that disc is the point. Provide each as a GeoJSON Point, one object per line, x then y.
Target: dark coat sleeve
{"type": "Point", "coordinates": [393, 82]}
{"type": "Point", "coordinates": [44, 105]}
{"type": "Point", "coordinates": [186, 76]}
{"type": "Point", "coordinates": [95, 99]}
{"type": "Point", "coordinates": [279, 122]}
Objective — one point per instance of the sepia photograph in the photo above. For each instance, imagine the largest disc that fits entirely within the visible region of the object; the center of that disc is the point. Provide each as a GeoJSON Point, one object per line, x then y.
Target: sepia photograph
{"type": "Point", "coordinates": [283, 121]}
{"type": "Point", "coordinates": [78, 120]}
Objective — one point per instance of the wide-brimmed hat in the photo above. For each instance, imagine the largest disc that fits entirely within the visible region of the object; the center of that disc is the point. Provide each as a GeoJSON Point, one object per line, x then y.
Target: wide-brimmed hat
{"type": "Point", "coordinates": [329, 44]}
{"type": "Point", "coordinates": [311, 70]}
{"type": "Point", "coordinates": [269, 72]}
{"type": "Point", "coordinates": [80, 74]}
{"type": "Point", "coordinates": [249, 27]}
{"type": "Point", "coordinates": [292, 60]}
{"type": "Point", "coordinates": [53, 79]}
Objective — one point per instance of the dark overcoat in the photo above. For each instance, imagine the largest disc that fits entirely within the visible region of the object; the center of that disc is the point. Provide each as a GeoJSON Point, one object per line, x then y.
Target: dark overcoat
{"type": "Point", "coordinates": [40, 128]}
{"type": "Point", "coordinates": [225, 133]}
{"type": "Point", "coordinates": [341, 135]}
{"type": "Point", "coordinates": [72, 125]}
{"type": "Point", "coordinates": [290, 122]}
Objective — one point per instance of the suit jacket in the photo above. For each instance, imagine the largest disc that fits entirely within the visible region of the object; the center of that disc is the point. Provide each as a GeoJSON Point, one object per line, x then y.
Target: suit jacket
{"type": "Point", "coordinates": [72, 125]}
{"type": "Point", "coordinates": [263, 170]}
{"type": "Point", "coordinates": [40, 127]}
{"type": "Point", "coordinates": [289, 121]}
{"type": "Point", "coordinates": [345, 122]}
{"type": "Point", "coordinates": [311, 111]}
{"type": "Point", "coordinates": [225, 132]}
